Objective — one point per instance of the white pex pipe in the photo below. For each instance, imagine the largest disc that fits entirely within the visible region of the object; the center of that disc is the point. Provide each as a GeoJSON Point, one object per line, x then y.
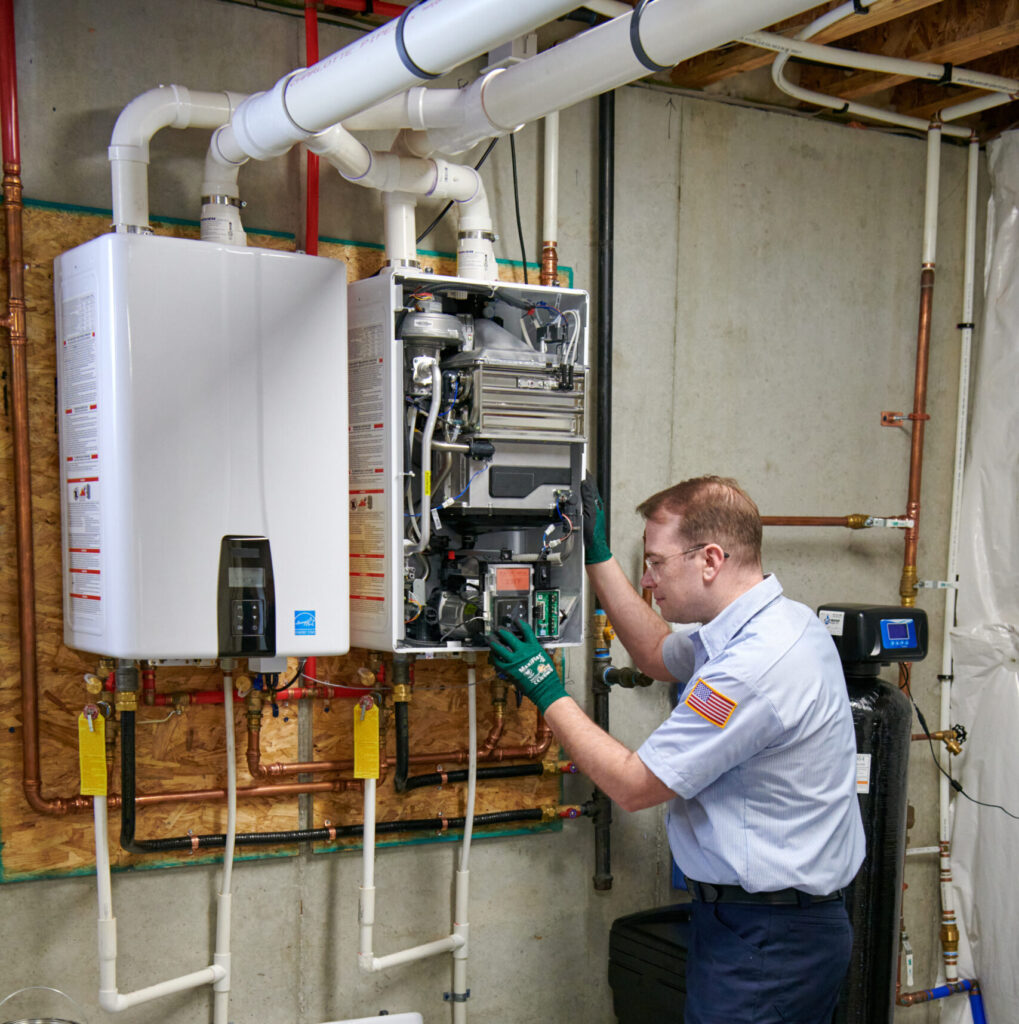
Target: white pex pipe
{"type": "Point", "coordinates": [786, 48]}
{"type": "Point", "coordinates": [594, 62]}
{"type": "Point", "coordinates": [932, 193]}
{"type": "Point", "coordinates": [951, 963]}
{"type": "Point", "coordinates": [221, 958]}
{"type": "Point", "coordinates": [550, 219]}
{"type": "Point", "coordinates": [461, 926]}
{"type": "Point", "coordinates": [218, 974]}
{"type": "Point", "coordinates": [799, 47]}
{"type": "Point", "coordinates": [168, 106]}
{"type": "Point", "coordinates": [456, 943]}
{"type": "Point", "coordinates": [436, 37]}
{"type": "Point", "coordinates": [109, 998]}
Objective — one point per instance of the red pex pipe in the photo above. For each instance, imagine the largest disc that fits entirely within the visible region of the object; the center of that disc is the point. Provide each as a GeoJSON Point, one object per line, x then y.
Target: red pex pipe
{"type": "Point", "coordinates": [9, 86]}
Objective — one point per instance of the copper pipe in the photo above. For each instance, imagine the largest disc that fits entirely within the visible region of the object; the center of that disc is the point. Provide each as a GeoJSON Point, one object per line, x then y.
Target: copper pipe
{"type": "Point", "coordinates": [919, 417]}
{"type": "Point", "coordinates": [14, 322]}
{"type": "Point", "coordinates": [280, 789]}
{"type": "Point", "coordinates": [856, 521]}
{"type": "Point", "coordinates": [549, 264]}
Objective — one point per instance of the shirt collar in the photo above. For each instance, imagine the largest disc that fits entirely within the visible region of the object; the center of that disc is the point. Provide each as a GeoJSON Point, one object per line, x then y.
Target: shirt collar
{"type": "Point", "coordinates": [715, 635]}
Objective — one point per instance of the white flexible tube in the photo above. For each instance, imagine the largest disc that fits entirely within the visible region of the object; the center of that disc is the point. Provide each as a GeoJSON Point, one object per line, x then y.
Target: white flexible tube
{"type": "Point", "coordinates": [437, 36]}
{"type": "Point", "coordinates": [168, 106]}
{"type": "Point", "coordinates": [427, 364]}
{"type": "Point", "coordinates": [596, 61]}
{"type": "Point", "coordinates": [109, 998]}
{"type": "Point", "coordinates": [550, 224]}
{"type": "Point", "coordinates": [221, 958]}
{"type": "Point", "coordinates": [951, 963]}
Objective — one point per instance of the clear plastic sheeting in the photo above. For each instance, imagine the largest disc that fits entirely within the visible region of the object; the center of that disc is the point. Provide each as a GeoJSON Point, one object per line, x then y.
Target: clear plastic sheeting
{"type": "Point", "coordinates": [985, 644]}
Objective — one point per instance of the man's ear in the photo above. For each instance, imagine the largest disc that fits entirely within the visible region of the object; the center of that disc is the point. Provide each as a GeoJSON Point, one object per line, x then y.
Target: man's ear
{"type": "Point", "coordinates": [714, 559]}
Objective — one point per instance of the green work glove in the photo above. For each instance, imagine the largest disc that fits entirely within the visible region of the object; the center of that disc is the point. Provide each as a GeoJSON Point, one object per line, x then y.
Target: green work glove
{"type": "Point", "coordinates": [527, 663]}
{"type": "Point", "coordinates": [596, 543]}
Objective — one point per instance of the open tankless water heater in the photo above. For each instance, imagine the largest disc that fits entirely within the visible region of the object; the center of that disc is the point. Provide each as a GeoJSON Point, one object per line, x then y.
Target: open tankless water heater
{"type": "Point", "coordinates": [203, 449]}
{"type": "Point", "coordinates": [467, 450]}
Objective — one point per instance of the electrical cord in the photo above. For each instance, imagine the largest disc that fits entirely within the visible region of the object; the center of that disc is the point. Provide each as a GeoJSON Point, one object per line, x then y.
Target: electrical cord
{"type": "Point", "coordinates": [516, 205]}
{"type": "Point", "coordinates": [954, 783]}
{"type": "Point", "coordinates": [442, 213]}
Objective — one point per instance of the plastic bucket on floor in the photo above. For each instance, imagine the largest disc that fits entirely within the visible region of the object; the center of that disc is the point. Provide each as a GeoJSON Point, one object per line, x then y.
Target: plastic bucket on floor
{"type": "Point", "coordinates": [40, 1004]}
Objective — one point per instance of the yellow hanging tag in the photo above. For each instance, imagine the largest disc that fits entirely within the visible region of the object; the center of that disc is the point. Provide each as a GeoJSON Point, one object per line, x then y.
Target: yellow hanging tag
{"type": "Point", "coordinates": [92, 754]}
{"type": "Point", "coordinates": [366, 739]}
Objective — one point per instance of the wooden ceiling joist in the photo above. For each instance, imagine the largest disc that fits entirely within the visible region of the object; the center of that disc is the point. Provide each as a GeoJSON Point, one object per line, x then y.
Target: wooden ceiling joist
{"type": "Point", "coordinates": [716, 65]}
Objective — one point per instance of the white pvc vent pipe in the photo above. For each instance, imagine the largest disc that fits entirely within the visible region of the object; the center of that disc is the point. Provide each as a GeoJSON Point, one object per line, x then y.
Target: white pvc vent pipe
{"type": "Point", "coordinates": [168, 106]}
{"type": "Point", "coordinates": [594, 62]}
{"type": "Point", "coordinates": [429, 39]}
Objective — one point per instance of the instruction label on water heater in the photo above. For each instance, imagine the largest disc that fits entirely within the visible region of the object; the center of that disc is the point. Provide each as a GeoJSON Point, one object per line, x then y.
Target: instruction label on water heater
{"type": "Point", "coordinates": [367, 453]}
{"type": "Point", "coordinates": [80, 464]}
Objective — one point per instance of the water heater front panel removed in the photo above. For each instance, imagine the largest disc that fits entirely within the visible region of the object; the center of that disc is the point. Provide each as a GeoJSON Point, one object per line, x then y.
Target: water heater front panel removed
{"type": "Point", "coordinates": [203, 449]}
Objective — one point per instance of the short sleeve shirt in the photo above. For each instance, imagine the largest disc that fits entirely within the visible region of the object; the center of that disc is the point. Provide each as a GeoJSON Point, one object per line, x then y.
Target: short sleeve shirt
{"type": "Point", "coordinates": [760, 750]}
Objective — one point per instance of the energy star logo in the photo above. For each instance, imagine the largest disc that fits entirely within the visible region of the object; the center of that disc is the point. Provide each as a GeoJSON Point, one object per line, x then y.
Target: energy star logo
{"type": "Point", "coordinates": [304, 622]}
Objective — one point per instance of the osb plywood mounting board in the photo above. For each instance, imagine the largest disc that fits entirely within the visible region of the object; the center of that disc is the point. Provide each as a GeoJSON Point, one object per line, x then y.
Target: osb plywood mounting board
{"type": "Point", "coordinates": [185, 751]}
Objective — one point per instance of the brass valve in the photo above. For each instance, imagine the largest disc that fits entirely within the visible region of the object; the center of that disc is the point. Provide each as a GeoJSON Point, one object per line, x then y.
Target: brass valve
{"type": "Point", "coordinates": [125, 700]}
{"type": "Point", "coordinates": [93, 684]}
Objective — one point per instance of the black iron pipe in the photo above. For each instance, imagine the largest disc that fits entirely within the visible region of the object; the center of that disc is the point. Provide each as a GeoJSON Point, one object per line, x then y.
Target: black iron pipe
{"type": "Point", "coordinates": [603, 436]}
{"type": "Point", "coordinates": [491, 771]}
{"type": "Point", "coordinates": [306, 835]}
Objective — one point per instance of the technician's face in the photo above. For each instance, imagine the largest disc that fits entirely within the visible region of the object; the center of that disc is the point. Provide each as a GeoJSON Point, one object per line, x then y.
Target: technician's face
{"type": "Point", "coordinates": [673, 570]}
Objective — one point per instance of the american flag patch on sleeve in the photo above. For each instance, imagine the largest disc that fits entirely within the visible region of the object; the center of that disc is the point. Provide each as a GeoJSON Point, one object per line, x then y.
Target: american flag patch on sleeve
{"type": "Point", "coordinates": [710, 704]}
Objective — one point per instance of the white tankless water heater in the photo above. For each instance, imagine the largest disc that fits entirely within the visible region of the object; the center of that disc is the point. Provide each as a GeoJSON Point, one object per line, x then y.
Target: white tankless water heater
{"type": "Point", "coordinates": [467, 451]}
{"type": "Point", "coordinates": [203, 449]}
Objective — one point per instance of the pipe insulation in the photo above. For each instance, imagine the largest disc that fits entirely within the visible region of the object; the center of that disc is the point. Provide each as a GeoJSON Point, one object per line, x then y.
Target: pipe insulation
{"type": "Point", "coordinates": [427, 40]}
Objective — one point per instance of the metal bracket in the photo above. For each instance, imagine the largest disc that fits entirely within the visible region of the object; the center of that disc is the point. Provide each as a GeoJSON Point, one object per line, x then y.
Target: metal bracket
{"type": "Point", "coordinates": [895, 419]}
{"type": "Point", "coordinates": [456, 997]}
{"type": "Point", "coordinates": [894, 523]}
{"type": "Point", "coordinates": [935, 585]}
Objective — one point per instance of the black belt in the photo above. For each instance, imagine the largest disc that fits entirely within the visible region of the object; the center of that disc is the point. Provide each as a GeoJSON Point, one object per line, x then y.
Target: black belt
{"type": "Point", "coordinates": [708, 893]}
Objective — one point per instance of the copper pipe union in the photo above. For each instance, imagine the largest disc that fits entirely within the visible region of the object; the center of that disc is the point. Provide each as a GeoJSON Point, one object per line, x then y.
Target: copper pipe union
{"type": "Point", "coordinates": [125, 700]}
{"type": "Point", "coordinates": [950, 938]}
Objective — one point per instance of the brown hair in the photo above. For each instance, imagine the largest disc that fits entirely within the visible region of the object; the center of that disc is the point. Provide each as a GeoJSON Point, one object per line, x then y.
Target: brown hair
{"type": "Point", "coordinates": [712, 509]}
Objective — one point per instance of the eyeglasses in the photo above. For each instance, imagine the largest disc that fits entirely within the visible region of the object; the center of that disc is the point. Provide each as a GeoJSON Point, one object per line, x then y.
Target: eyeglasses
{"type": "Point", "coordinates": [654, 563]}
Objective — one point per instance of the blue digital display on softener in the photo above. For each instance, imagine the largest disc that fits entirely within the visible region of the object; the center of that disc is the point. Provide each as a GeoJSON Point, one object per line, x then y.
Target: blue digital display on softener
{"type": "Point", "coordinates": [897, 634]}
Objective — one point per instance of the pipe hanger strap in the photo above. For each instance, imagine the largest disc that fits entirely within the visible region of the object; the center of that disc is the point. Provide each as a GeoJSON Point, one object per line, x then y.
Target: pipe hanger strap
{"type": "Point", "coordinates": [638, 47]}
{"type": "Point", "coordinates": [401, 47]}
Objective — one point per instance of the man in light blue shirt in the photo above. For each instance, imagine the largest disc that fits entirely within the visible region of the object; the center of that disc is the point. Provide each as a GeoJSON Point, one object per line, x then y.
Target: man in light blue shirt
{"type": "Point", "coordinates": [757, 761]}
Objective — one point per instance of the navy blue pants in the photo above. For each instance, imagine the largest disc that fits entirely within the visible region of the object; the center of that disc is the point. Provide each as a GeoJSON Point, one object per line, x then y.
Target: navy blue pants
{"type": "Point", "coordinates": [758, 964]}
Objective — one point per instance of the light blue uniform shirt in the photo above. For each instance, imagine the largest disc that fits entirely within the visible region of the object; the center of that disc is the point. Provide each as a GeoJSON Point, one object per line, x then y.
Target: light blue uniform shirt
{"type": "Point", "coordinates": [760, 750]}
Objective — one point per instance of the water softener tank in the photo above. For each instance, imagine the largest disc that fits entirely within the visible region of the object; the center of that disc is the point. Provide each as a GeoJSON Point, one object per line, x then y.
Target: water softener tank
{"type": "Point", "coordinates": [868, 637]}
